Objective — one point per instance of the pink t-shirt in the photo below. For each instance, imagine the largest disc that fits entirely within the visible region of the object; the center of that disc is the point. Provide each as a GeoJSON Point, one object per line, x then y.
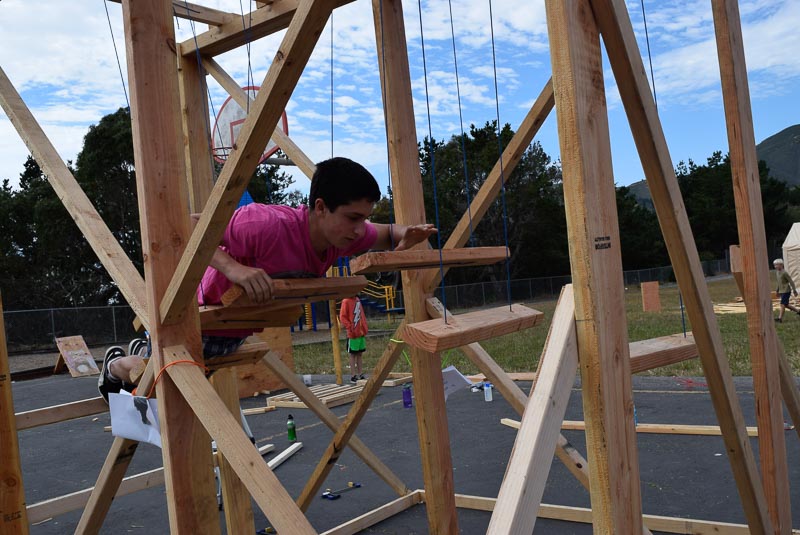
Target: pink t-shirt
{"type": "Point", "coordinates": [276, 239]}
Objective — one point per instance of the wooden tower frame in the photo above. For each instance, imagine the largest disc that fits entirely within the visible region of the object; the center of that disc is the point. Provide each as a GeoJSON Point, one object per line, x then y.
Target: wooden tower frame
{"type": "Point", "coordinates": [168, 104]}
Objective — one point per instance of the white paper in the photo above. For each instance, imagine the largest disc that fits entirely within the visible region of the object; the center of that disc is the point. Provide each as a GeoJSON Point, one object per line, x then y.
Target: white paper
{"type": "Point", "coordinates": [453, 381]}
{"type": "Point", "coordinates": [134, 418]}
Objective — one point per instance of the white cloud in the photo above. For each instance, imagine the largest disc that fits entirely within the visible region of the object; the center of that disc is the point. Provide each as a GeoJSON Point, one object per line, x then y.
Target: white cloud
{"type": "Point", "coordinates": [69, 77]}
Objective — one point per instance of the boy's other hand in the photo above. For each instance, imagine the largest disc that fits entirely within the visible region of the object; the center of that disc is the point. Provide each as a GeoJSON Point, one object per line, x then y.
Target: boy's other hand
{"type": "Point", "coordinates": [415, 234]}
{"type": "Point", "coordinates": [255, 282]}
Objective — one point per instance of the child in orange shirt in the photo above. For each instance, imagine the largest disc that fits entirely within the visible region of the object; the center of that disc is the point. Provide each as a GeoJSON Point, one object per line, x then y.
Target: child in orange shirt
{"type": "Point", "coordinates": [352, 317]}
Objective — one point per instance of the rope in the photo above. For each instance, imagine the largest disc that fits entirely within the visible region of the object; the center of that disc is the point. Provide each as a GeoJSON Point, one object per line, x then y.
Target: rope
{"type": "Point", "coordinates": [173, 363]}
{"type": "Point", "coordinates": [500, 153]}
{"type": "Point", "coordinates": [433, 160]}
{"type": "Point", "coordinates": [461, 122]}
{"type": "Point", "coordinates": [116, 53]}
{"type": "Point", "coordinates": [649, 57]}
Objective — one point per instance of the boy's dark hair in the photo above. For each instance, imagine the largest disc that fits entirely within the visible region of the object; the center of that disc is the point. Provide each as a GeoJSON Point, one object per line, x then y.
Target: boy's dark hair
{"type": "Point", "coordinates": [341, 181]}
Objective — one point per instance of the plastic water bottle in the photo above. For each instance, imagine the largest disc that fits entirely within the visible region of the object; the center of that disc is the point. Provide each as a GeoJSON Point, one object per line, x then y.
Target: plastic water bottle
{"type": "Point", "coordinates": [407, 403]}
{"type": "Point", "coordinates": [487, 391]}
{"type": "Point", "coordinates": [291, 432]}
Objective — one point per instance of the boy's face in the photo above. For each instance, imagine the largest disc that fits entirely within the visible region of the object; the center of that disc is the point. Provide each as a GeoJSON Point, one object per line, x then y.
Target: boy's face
{"type": "Point", "coordinates": [779, 267]}
{"type": "Point", "coordinates": [345, 225]}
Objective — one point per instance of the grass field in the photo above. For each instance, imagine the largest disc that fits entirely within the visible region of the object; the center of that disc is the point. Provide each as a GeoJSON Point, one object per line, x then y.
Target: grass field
{"type": "Point", "coordinates": [520, 351]}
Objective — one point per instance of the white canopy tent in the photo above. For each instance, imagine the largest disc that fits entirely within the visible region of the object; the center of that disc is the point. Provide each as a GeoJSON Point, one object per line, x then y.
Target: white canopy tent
{"type": "Point", "coordinates": [791, 253]}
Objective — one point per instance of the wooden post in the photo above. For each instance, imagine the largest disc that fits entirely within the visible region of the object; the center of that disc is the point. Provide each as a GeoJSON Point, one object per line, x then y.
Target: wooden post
{"type": "Point", "coordinates": [629, 71]}
{"type": "Point", "coordinates": [196, 131]}
{"type": "Point", "coordinates": [437, 466]}
{"type": "Point", "coordinates": [13, 514]}
{"type": "Point", "coordinates": [160, 176]}
{"type": "Point", "coordinates": [593, 231]}
{"type": "Point", "coordinates": [337, 346]}
{"type": "Point", "coordinates": [764, 346]}
{"type": "Point", "coordinates": [235, 497]}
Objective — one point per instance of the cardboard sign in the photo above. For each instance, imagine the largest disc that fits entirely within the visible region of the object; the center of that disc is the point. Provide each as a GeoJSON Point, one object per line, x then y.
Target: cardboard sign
{"type": "Point", "coordinates": [77, 357]}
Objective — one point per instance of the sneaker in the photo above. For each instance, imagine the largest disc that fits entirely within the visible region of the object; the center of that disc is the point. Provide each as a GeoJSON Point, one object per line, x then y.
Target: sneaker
{"type": "Point", "coordinates": [107, 383]}
{"type": "Point", "coordinates": [353, 379]}
{"type": "Point", "coordinates": [778, 320]}
{"type": "Point", "coordinates": [361, 376]}
{"type": "Point", "coordinates": [136, 345]}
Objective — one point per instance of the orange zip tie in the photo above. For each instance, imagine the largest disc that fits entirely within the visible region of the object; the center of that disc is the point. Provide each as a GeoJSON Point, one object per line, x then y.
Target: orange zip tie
{"type": "Point", "coordinates": [162, 370]}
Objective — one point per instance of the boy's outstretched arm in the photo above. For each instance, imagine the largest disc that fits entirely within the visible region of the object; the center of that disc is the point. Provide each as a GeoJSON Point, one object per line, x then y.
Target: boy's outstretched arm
{"type": "Point", "coordinates": [402, 236]}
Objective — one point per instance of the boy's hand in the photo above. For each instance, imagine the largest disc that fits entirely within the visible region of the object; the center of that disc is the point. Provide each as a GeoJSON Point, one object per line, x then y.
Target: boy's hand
{"type": "Point", "coordinates": [256, 283]}
{"type": "Point", "coordinates": [415, 234]}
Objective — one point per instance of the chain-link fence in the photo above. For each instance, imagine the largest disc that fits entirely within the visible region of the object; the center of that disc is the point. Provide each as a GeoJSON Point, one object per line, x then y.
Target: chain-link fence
{"type": "Point", "coordinates": [36, 330]}
{"type": "Point", "coordinates": [483, 294]}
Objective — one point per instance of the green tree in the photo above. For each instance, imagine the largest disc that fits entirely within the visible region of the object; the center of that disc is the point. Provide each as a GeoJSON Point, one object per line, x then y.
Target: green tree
{"type": "Point", "coordinates": [530, 212]}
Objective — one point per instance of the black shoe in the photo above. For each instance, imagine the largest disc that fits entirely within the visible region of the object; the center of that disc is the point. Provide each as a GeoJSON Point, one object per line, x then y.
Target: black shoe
{"type": "Point", "coordinates": [778, 320]}
{"type": "Point", "coordinates": [136, 345]}
{"type": "Point", "coordinates": [353, 379]}
{"type": "Point", "coordinates": [361, 376]}
{"type": "Point", "coordinates": [106, 383]}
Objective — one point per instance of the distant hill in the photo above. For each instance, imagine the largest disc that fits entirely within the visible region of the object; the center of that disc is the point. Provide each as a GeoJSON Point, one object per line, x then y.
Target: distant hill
{"type": "Point", "coordinates": [781, 152]}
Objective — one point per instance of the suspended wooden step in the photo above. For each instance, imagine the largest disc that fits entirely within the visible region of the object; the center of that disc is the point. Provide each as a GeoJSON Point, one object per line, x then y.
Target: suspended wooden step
{"type": "Point", "coordinates": [286, 291]}
{"type": "Point", "coordinates": [374, 262]}
{"type": "Point", "coordinates": [435, 335]}
{"type": "Point", "coordinates": [662, 351]}
{"type": "Point", "coordinates": [238, 312]}
{"type": "Point", "coordinates": [272, 314]}
{"type": "Point", "coordinates": [248, 353]}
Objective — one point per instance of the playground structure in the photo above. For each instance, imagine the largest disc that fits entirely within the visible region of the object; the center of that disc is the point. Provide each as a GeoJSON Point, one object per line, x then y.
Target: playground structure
{"type": "Point", "coordinates": [589, 325]}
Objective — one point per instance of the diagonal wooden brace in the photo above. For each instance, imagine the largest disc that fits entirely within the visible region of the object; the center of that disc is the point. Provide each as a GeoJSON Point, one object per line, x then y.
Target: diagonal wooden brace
{"type": "Point", "coordinates": [329, 418]}
{"type": "Point", "coordinates": [239, 452]}
{"type": "Point", "coordinates": [346, 431]}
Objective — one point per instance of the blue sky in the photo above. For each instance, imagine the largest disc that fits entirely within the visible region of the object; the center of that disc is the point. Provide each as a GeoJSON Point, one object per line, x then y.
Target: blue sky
{"type": "Point", "coordinates": [59, 55]}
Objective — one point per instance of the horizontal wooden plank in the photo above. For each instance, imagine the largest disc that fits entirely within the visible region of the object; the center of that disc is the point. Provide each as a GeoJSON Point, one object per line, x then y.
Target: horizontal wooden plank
{"type": "Point", "coordinates": [360, 523]}
{"type": "Point", "coordinates": [435, 335]}
{"type": "Point", "coordinates": [657, 429]}
{"type": "Point", "coordinates": [233, 34]}
{"type": "Point", "coordinates": [662, 351]}
{"type": "Point", "coordinates": [60, 413]}
{"type": "Point", "coordinates": [377, 261]}
{"type": "Point", "coordinates": [666, 524]}
{"type": "Point", "coordinates": [301, 290]}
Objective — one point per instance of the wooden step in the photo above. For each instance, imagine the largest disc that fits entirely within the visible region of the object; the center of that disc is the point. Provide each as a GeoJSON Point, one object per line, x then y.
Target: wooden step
{"type": "Point", "coordinates": [374, 262]}
{"type": "Point", "coordinates": [435, 335]}
{"type": "Point", "coordinates": [246, 354]}
{"type": "Point", "coordinates": [273, 314]}
{"type": "Point", "coordinates": [288, 291]}
{"type": "Point", "coordinates": [662, 351]}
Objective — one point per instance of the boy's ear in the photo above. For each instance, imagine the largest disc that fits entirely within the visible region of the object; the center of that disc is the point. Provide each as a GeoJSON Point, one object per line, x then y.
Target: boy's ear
{"type": "Point", "coordinates": [319, 205]}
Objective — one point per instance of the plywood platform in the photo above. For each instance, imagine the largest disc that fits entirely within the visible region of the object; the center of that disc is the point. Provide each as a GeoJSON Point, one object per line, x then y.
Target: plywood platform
{"type": "Point", "coordinates": [331, 395]}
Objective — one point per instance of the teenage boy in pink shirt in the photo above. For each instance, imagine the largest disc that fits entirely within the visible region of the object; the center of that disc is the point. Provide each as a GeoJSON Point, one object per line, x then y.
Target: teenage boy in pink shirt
{"type": "Point", "coordinates": [262, 242]}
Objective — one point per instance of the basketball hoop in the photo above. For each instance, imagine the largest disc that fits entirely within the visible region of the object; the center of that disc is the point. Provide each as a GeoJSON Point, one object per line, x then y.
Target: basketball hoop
{"type": "Point", "coordinates": [229, 122]}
